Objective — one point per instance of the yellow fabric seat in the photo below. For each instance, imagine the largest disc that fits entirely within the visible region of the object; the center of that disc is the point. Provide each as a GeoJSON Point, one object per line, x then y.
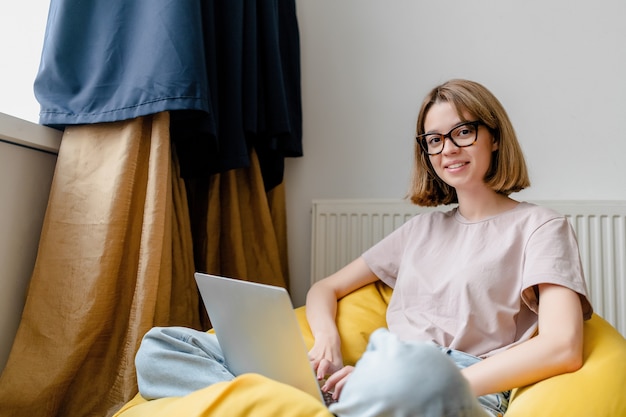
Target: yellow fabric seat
{"type": "Point", "coordinates": [598, 389]}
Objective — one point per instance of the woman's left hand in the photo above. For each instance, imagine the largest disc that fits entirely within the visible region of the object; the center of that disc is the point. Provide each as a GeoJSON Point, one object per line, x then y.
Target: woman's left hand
{"type": "Point", "coordinates": [337, 381]}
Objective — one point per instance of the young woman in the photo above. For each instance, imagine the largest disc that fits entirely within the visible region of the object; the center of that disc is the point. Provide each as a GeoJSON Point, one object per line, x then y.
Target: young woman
{"type": "Point", "coordinates": [472, 285]}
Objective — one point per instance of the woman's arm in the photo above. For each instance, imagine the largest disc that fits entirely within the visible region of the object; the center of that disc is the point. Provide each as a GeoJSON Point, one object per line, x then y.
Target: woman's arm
{"type": "Point", "coordinates": [556, 349]}
{"type": "Point", "coordinates": [321, 309]}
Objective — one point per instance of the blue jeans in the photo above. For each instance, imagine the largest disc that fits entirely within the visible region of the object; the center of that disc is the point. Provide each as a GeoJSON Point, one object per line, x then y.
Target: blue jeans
{"type": "Point", "coordinates": [393, 378]}
{"type": "Point", "coordinates": [496, 404]}
{"type": "Point", "coordinates": [175, 361]}
{"type": "Point", "coordinates": [402, 379]}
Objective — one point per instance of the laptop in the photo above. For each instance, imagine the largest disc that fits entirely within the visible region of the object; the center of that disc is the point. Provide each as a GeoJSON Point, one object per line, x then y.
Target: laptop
{"type": "Point", "coordinates": [258, 331]}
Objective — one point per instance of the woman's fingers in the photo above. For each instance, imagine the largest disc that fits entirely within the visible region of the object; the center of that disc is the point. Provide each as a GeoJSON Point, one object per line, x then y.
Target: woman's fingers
{"type": "Point", "coordinates": [337, 380]}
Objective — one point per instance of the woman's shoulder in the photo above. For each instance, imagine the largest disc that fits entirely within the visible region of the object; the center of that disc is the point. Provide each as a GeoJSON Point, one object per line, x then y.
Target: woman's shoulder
{"type": "Point", "coordinates": [536, 220]}
{"type": "Point", "coordinates": [538, 212]}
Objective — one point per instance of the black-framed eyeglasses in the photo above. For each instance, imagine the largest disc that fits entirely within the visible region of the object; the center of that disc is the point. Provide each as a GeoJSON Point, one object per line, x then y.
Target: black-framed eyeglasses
{"type": "Point", "coordinates": [462, 135]}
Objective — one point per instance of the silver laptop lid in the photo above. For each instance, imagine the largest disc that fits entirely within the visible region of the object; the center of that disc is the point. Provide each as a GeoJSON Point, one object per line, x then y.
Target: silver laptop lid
{"type": "Point", "coordinates": [258, 331]}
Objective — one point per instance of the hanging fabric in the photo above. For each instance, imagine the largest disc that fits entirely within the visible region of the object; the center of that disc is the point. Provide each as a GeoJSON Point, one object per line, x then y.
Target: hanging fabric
{"type": "Point", "coordinates": [112, 262]}
{"type": "Point", "coordinates": [140, 89]}
{"type": "Point", "coordinates": [229, 71]}
{"type": "Point", "coordinates": [239, 229]}
{"type": "Point", "coordinates": [116, 258]}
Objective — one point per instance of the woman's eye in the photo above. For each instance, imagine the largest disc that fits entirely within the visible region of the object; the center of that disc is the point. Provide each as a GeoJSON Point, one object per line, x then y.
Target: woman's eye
{"type": "Point", "coordinates": [433, 140]}
{"type": "Point", "coordinates": [464, 131]}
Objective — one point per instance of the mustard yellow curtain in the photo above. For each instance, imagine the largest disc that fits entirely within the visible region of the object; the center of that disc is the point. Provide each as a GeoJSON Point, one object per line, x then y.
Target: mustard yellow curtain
{"type": "Point", "coordinates": [239, 229]}
{"type": "Point", "coordinates": [116, 257]}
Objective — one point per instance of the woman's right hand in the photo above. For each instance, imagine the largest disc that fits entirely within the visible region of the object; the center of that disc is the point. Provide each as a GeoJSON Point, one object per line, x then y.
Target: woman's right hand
{"type": "Point", "coordinates": [325, 358]}
{"type": "Point", "coordinates": [321, 310]}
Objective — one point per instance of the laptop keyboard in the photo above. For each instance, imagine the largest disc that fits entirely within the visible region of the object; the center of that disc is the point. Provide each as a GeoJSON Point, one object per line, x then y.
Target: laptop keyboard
{"type": "Point", "coordinates": [328, 398]}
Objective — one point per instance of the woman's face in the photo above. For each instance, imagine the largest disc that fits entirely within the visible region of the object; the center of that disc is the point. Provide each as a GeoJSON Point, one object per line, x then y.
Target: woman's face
{"type": "Point", "coordinates": [462, 168]}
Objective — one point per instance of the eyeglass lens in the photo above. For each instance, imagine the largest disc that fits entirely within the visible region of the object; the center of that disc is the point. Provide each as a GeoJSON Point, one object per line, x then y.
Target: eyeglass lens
{"type": "Point", "coordinates": [462, 135]}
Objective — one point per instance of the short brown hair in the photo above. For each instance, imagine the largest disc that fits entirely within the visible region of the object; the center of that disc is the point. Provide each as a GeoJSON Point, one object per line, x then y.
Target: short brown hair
{"type": "Point", "coordinates": [507, 173]}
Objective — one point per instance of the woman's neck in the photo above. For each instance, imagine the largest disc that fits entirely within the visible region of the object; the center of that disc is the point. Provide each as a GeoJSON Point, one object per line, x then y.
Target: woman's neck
{"type": "Point", "coordinates": [481, 204]}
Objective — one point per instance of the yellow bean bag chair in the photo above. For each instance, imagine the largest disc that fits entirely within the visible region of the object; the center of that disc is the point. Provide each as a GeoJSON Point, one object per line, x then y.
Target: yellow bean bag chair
{"type": "Point", "coordinates": [598, 389]}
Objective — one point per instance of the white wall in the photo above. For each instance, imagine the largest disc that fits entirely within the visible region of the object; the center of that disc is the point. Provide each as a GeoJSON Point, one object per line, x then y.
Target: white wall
{"type": "Point", "coordinates": [22, 27]}
{"type": "Point", "coordinates": [366, 64]}
{"type": "Point", "coordinates": [558, 67]}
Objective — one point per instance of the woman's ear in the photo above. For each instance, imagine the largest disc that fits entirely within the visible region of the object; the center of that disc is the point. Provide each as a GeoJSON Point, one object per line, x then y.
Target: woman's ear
{"type": "Point", "coordinates": [494, 145]}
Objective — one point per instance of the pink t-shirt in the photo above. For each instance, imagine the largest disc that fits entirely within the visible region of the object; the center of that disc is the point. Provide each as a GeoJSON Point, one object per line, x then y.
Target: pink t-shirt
{"type": "Point", "coordinates": [468, 285]}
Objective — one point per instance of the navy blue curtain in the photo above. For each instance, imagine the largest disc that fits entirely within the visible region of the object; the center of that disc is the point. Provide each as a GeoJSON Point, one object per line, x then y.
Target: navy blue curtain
{"type": "Point", "coordinates": [227, 70]}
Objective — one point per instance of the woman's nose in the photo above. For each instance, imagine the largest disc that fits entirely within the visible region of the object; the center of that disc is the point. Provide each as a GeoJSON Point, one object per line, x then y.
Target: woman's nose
{"type": "Point", "coordinates": [449, 147]}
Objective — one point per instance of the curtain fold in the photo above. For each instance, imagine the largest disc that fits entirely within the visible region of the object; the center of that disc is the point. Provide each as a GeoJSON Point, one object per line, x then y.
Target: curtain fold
{"type": "Point", "coordinates": [239, 229]}
{"type": "Point", "coordinates": [244, 245]}
{"type": "Point", "coordinates": [104, 272]}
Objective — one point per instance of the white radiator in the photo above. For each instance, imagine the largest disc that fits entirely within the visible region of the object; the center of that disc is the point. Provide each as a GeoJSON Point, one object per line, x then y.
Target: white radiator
{"type": "Point", "coordinates": [343, 229]}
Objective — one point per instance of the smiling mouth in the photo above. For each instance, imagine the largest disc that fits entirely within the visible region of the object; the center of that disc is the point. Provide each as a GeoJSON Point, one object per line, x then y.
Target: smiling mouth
{"type": "Point", "coordinates": [458, 165]}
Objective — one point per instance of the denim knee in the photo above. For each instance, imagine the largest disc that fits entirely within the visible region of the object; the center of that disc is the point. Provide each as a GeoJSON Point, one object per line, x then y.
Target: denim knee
{"type": "Point", "coordinates": [175, 361]}
{"type": "Point", "coordinates": [398, 379]}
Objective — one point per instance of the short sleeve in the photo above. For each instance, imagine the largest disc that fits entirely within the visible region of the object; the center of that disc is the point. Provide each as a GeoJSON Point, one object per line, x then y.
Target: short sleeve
{"type": "Point", "coordinates": [384, 257]}
{"type": "Point", "coordinates": [551, 256]}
